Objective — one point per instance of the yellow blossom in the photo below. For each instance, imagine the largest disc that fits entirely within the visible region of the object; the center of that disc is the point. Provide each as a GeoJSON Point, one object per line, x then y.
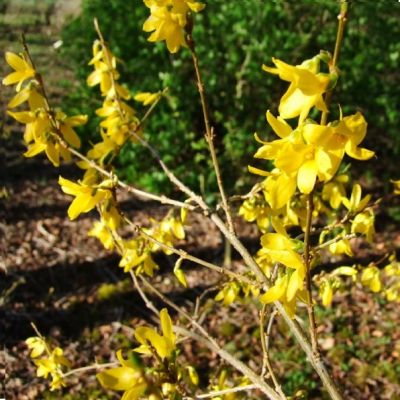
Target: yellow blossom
{"type": "Point", "coordinates": [86, 196]}
{"type": "Point", "coordinates": [37, 345]}
{"type": "Point", "coordinates": [307, 85]}
{"type": "Point", "coordinates": [364, 223]}
{"type": "Point", "coordinates": [280, 249]}
{"type": "Point", "coordinates": [278, 292]}
{"type": "Point", "coordinates": [371, 277]}
{"type": "Point", "coordinates": [66, 125]}
{"type": "Point", "coordinates": [149, 339]}
{"type": "Point", "coordinates": [128, 378]}
{"type": "Point", "coordinates": [228, 294]}
{"type": "Point", "coordinates": [105, 73]}
{"type": "Point", "coordinates": [331, 282]}
{"type": "Point", "coordinates": [101, 231]}
{"type": "Point", "coordinates": [147, 98]}
{"type": "Point", "coordinates": [356, 204]}
{"type": "Point", "coordinates": [396, 186]}
{"type": "Point", "coordinates": [167, 21]}
{"type": "Point", "coordinates": [341, 247]}
{"type": "Point", "coordinates": [41, 134]}
{"type": "Point", "coordinates": [309, 152]}
{"type": "Point", "coordinates": [136, 256]}
{"type": "Point", "coordinates": [29, 94]}
{"type": "Point", "coordinates": [22, 70]}
{"type": "Point", "coordinates": [256, 209]}
{"type": "Point", "coordinates": [334, 190]}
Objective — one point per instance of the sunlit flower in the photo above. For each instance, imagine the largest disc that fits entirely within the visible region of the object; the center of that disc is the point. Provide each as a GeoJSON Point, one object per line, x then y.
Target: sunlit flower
{"type": "Point", "coordinates": [135, 255]}
{"type": "Point", "coordinates": [364, 223]}
{"type": "Point", "coordinates": [22, 70]}
{"type": "Point", "coordinates": [147, 98]}
{"type": "Point", "coordinates": [149, 339]}
{"type": "Point", "coordinates": [307, 85]}
{"type": "Point", "coordinates": [128, 378]}
{"type": "Point", "coordinates": [167, 21]}
{"type": "Point", "coordinates": [371, 277]}
{"type": "Point", "coordinates": [86, 196]}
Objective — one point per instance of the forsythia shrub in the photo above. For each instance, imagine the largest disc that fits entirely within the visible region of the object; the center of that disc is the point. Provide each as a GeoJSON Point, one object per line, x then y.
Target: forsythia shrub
{"type": "Point", "coordinates": [305, 206]}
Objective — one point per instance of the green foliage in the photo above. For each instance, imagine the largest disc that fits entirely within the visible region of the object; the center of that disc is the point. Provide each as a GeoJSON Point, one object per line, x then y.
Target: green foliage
{"type": "Point", "coordinates": [238, 90]}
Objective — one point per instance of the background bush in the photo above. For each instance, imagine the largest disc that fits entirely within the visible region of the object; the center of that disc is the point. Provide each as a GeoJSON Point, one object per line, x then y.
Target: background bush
{"type": "Point", "coordinates": [233, 40]}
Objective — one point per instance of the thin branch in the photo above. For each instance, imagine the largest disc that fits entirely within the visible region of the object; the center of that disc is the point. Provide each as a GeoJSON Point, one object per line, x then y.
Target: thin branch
{"type": "Point", "coordinates": [137, 192]}
{"type": "Point", "coordinates": [253, 191]}
{"type": "Point", "coordinates": [307, 263]}
{"type": "Point", "coordinates": [90, 368]}
{"type": "Point", "coordinates": [149, 304]}
{"type": "Point", "coordinates": [334, 240]}
{"type": "Point", "coordinates": [235, 389]}
{"type": "Point", "coordinates": [209, 132]}
{"type": "Point", "coordinates": [264, 336]}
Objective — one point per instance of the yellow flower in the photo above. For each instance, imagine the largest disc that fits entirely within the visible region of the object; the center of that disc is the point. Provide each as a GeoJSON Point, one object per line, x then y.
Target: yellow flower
{"type": "Point", "coordinates": [167, 21]}
{"type": "Point", "coordinates": [52, 365]}
{"type": "Point", "coordinates": [309, 152]}
{"type": "Point", "coordinates": [149, 339]}
{"type": "Point", "coordinates": [41, 135]}
{"type": "Point", "coordinates": [330, 283]}
{"type": "Point", "coordinates": [147, 98]}
{"type": "Point", "coordinates": [341, 247]}
{"type": "Point", "coordinates": [66, 125]}
{"type": "Point", "coordinates": [30, 94]}
{"type": "Point", "coordinates": [256, 209]}
{"type": "Point", "coordinates": [136, 256]}
{"type": "Point", "coordinates": [22, 70]}
{"type": "Point", "coordinates": [115, 125]}
{"type": "Point", "coordinates": [334, 191]}
{"type": "Point", "coordinates": [364, 223]}
{"type": "Point", "coordinates": [166, 26]}
{"type": "Point", "coordinates": [105, 73]}
{"type": "Point", "coordinates": [101, 231]}
{"type": "Point", "coordinates": [37, 346]}
{"type": "Point", "coordinates": [306, 88]}
{"type": "Point", "coordinates": [279, 189]}
{"type": "Point", "coordinates": [86, 196]}
{"type": "Point", "coordinates": [349, 133]}
{"type": "Point", "coordinates": [279, 292]}
{"type": "Point", "coordinates": [228, 294]}
{"type": "Point", "coordinates": [370, 277]}
{"type": "Point", "coordinates": [326, 292]}
{"type": "Point", "coordinates": [396, 186]}
{"type": "Point", "coordinates": [356, 204]}
{"type": "Point", "coordinates": [281, 249]}
{"type": "Point", "coordinates": [128, 378]}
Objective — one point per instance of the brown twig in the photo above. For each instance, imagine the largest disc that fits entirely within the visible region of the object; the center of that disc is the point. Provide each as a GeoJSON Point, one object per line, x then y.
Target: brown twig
{"type": "Point", "coordinates": [307, 263]}
{"type": "Point", "coordinates": [264, 337]}
{"type": "Point", "coordinates": [209, 132]}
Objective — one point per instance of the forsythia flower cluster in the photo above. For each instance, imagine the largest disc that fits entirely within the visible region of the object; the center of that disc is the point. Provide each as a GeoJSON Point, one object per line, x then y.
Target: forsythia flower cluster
{"type": "Point", "coordinates": [385, 280]}
{"type": "Point", "coordinates": [49, 362]}
{"type": "Point", "coordinates": [168, 20]}
{"type": "Point", "coordinates": [46, 130]}
{"type": "Point", "coordinates": [155, 383]}
{"type": "Point", "coordinates": [306, 159]}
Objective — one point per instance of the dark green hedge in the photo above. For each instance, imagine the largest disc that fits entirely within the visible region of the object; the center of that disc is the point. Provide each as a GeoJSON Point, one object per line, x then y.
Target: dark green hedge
{"type": "Point", "coordinates": [234, 38]}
